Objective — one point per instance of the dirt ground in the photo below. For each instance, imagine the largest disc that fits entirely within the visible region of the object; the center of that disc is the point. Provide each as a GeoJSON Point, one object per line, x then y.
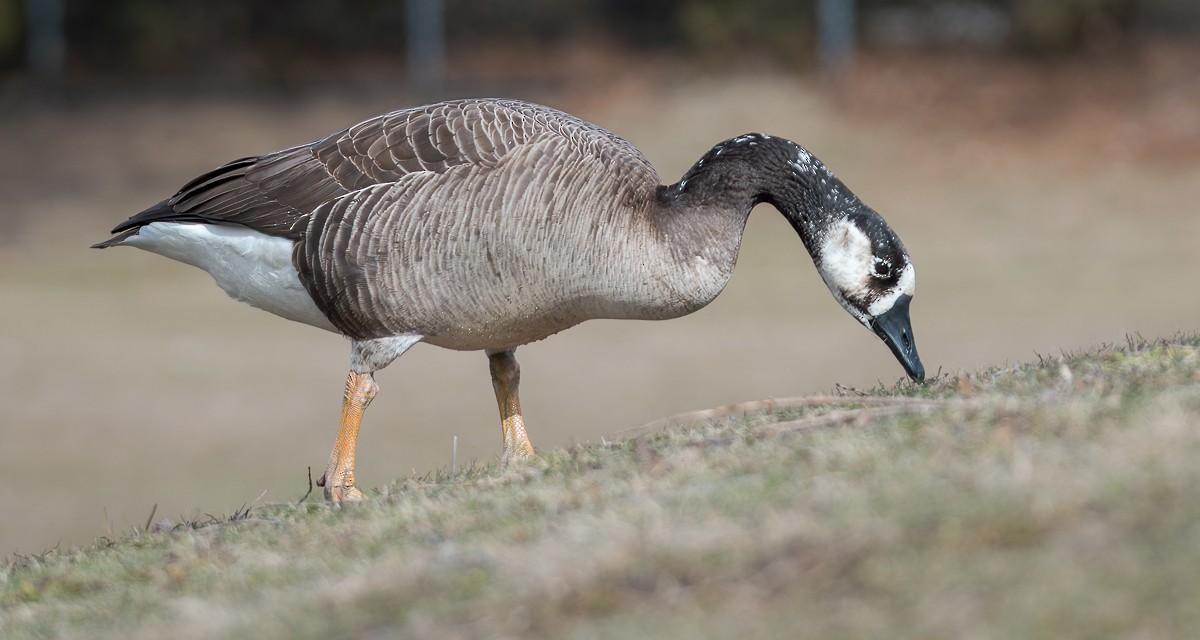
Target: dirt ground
{"type": "Point", "coordinates": [1048, 207]}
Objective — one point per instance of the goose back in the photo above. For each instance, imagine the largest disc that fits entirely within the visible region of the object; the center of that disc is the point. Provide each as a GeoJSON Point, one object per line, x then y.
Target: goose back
{"type": "Point", "coordinates": [475, 223]}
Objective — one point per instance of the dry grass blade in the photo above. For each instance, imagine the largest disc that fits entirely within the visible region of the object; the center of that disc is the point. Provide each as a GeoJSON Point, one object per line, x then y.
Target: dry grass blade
{"type": "Point", "coordinates": [774, 405]}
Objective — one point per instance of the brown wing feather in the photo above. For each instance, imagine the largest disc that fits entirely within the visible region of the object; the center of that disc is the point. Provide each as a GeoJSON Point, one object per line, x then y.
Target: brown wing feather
{"type": "Point", "coordinates": [275, 193]}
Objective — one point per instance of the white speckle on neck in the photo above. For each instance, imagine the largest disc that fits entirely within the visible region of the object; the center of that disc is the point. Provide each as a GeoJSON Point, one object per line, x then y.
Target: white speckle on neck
{"type": "Point", "coordinates": [751, 139]}
{"type": "Point", "coordinates": [803, 162]}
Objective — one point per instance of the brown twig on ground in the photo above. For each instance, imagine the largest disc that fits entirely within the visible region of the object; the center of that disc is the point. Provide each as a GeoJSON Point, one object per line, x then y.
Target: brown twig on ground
{"type": "Point", "coordinates": [150, 518]}
{"type": "Point", "coordinates": [310, 486]}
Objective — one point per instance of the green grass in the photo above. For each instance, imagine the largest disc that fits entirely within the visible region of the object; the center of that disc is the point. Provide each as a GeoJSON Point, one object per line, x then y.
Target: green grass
{"type": "Point", "coordinates": [1055, 499]}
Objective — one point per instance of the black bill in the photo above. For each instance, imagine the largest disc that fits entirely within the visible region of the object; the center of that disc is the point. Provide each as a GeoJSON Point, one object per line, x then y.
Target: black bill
{"type": "Point", "coordinates": [895, 328]}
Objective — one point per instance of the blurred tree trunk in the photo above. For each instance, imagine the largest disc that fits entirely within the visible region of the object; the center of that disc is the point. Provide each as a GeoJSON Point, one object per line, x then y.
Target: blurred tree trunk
{"type": "Point", "coordinates": [426, 48]}
{"type": "Point", "coordinates": [47, 44]}
{"type": "Point", "coordinates": [835, 34]}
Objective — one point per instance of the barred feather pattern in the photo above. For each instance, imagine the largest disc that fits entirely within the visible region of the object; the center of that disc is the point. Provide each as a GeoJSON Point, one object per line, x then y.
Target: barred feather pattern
{"type": "Point", "coordinates": [275, 192]}
{"type": "Point", "coordinates": [491, 256]}
{"type": "Point", "coordinates": [487, 224]}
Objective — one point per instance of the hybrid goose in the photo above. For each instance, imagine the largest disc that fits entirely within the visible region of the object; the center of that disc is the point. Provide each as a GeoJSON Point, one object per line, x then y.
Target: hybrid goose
{"type": "Point", "coordinates": [488, 224]}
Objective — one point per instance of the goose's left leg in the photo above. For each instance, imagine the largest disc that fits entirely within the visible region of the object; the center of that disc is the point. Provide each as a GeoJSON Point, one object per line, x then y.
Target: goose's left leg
{"type": "Point", "coordinates": [366, 357]}
{"type": "Point", "coordinates": [506, 378]}
{"type": "Point", "coordinates": [338, 480]}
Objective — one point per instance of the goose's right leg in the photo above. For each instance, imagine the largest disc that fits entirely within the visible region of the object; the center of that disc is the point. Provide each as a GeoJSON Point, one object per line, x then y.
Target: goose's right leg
{"type": "Point", "coordinates": [506, 378]}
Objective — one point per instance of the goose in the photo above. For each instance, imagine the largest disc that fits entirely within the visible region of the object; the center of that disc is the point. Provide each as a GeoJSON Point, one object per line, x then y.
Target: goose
{"type": "Point", "coordinates": [487, 224]}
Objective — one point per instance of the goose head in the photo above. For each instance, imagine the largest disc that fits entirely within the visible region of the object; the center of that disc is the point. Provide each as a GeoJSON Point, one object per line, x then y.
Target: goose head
{"type": "Point", "coordinates": [870, 274]}
{"type": "Point", "coordinates": [860, 258]}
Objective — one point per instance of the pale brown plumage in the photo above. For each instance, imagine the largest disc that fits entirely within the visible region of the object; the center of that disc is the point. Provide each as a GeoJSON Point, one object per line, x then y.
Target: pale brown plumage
{"type": "Point", "coordinates": [488, 224]}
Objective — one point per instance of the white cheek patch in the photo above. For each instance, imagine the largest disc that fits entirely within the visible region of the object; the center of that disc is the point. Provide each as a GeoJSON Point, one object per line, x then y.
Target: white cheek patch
{"type": "Point", "coordinates": [906, 285]}
{"type": "Point", "coordinates": [908, 280]}
{"type": "Point", "coordinates": [846, 259]}
{"type": "Point", "coordinates": [847, 264]}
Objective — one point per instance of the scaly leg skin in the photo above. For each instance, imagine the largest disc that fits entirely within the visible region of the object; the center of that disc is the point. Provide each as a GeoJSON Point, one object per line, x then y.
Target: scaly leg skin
{"type": "Point", "coordinates": [339, 476]}
{"type": "Point", "coordinates": [506, 377]}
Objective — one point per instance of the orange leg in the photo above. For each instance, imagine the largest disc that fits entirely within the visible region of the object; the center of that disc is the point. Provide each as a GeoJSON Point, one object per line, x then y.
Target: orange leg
{"type": "Point", "coordinates": [339, 476]}
{"type": "Point", "coordinates": [506, 377]}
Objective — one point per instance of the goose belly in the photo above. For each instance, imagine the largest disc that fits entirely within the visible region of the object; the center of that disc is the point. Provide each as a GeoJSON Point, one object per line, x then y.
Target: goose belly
{"type": "Point", "coordinates": [526, 295]}
{"type": "Point", "coordinates": [498, 329]}
{"type": "Point", "coordinates": [251, 267]}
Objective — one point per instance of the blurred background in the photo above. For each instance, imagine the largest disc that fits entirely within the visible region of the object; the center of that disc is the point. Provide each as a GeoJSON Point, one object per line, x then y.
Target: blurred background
{"type": "Point", "coordinates": [1040, 159]}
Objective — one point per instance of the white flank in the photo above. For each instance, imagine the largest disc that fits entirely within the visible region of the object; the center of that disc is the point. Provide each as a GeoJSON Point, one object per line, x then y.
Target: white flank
{"type": "Point", "coordinates": [252, 267]}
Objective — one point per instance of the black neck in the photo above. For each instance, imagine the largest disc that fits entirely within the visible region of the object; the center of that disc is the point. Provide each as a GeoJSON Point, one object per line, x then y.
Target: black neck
{"type": "Point", "coordinates": [741, 172]}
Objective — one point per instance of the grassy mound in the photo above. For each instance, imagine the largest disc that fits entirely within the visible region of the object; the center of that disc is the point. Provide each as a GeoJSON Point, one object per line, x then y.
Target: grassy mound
{"type": "Point", "coordinates": [1054, 499]}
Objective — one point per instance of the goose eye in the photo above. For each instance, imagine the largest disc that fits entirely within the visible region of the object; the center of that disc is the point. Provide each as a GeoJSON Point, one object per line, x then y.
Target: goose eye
{"type": "Point", "coordinates": [882, 269]}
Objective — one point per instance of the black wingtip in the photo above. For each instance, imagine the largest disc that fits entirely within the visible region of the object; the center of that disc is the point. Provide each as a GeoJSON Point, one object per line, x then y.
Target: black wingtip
{"type": "Point", "coordinates": [121, 236]}
{"type": "Point", "coordinates": [161, 211]}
